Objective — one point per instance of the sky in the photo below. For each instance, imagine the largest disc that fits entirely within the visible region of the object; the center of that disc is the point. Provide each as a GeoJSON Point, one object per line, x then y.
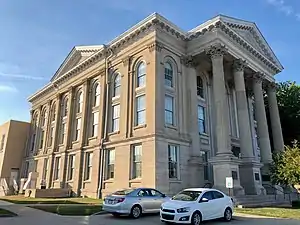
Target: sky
{"type": "Point", "coordinates": [37, 35]}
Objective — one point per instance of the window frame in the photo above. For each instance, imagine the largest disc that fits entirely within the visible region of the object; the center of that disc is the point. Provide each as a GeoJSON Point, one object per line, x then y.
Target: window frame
{"type": "Point", "coordinates": [88, 166]}
{"type": "Point", "coordinates": [168, 73]}
{"type": "Point", "coordinates": [170, 111]}
{"type": "Point", "coordinates": [141, 111]}
{"type": "Point", "coordinates": [141, 75]}
{"type": "Point", "coordinates": [110, 173]}
{"type": "Point", "coordinates": [135, 161]}
{"type": "Point", "coordinates": [71, 167]}
{"type": "Point", "coordinates": [200, 87]}
{"type": "Point", "coordinates": [57, 168]}
{"type": "Point", "coordinates": [177, 168]}
{"type": "Point", "coordinates": [117, 85]}
{"type": "Point", "coordinates": [115, 120]}
{"type": "Point", "coordinates": [201, 120]}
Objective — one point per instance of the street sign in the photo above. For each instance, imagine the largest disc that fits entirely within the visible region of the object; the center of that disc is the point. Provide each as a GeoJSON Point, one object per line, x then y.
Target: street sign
{"type": "Point", "coordinates": [229, 182]}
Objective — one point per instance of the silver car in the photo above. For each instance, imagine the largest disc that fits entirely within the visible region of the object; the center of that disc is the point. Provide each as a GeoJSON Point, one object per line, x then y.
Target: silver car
{"type": "Point", "coordinates": [134, 202]}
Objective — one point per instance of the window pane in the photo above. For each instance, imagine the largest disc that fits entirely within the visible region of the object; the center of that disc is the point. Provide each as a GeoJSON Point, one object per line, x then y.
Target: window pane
{"type": "Point", "coordinates": [140, 102]}
{"type": "Point", "coordinates": [173, 161]}
{"type": "Point", "coordinates": [169, 103]}
{"type": "Point", "coordinates": [117, 85]}
{"type": "Point", "coordinates": [200, 90]}
{"type": "Point", "coordinates": [168, 75]}
{"type": "Point", "coordinates": [141, 75]}
{"type": "Point", "coordinates": [96, 93]}
{"type": "Point", "coordinates": [141, 117]}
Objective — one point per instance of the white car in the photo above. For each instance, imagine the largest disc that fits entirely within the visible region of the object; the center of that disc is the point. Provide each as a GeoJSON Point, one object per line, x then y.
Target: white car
{"type": "Point", "coordinates": [194, 205]}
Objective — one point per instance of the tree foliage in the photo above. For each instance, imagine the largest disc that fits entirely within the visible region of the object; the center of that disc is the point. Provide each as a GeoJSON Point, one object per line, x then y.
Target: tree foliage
{"type": "Point", "coordinates": [288, 98]}
{"type": "Point", "coordinates": [285, 169]}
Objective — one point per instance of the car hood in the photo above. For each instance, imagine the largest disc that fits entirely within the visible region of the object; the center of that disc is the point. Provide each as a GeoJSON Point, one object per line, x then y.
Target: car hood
{"type": "Point", "coordinates": [174, 204]}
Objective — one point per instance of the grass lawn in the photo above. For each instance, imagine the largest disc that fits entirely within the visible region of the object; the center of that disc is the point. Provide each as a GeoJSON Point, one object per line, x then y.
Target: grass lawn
{"type": "Point", "coordinates": [4, 212]}
{"type": "Point", "coordinates": [78, 210]}
{"type": "Point", "coordinates": [272, 212]}
{"type": "Point", "coordinates": [20, 199]}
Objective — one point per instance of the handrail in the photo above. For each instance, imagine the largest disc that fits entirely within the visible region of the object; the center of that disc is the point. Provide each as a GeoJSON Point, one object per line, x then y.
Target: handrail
{"type": "Point", "coordinates": [284, 193]}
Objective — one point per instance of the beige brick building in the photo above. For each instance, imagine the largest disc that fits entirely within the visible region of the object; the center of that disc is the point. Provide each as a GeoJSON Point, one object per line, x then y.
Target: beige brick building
{"type": "Point", "coordinates": [13, 137]}
{"type": "Point", "coordinates": [159, 107]}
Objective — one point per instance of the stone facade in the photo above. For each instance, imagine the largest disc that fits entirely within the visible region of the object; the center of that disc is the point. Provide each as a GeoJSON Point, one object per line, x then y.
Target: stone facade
{"type": "Point", "coordinates": [13, 137]}
{"type": "Point", "coordinates": [159, 107]}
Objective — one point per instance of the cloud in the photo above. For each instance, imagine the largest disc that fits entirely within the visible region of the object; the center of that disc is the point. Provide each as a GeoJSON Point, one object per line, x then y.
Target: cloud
{"type": "Point", "coordinates": [21, 76]}
{"type": "Point", "coordinates": [287, 9]}
{"type": "Point", "coordinates": [8, 89]}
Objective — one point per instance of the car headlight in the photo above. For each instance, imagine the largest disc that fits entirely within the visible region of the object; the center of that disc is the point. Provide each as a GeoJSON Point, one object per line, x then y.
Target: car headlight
{"type": "Point", "coordinates": [183, 210]}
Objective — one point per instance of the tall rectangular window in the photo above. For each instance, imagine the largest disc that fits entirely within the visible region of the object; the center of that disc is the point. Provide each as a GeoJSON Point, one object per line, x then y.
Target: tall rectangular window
{"type": "Point", "coordinates": [62, 133]}
{"type": "Point", "coordinates": [33, 142]}
{"type": "Point", "coordinates": [169, 110]}
{"type": "Point", "coordinates": [77, 131]}
{"type": "Point", "coordinates": [140, 110]}
{"type": "Point", "coordinates": [56, 168]}
{"type": "Point", "coordinates": [137, 161]}
{"type": "Point", "coordinates": [45, 169]}
{"type": "Point", "coordinates": [201, 120]}
{"type": "Point", "coordinates": [95, 121]}
{"type": "Point", "coordinates": [71, 167]}
{"type": "Point", "coordinates": [173, 161]}
{"type": "Point", "coordinates": [205, 164]}
{"type": "Point", "coordinates": [116, 118]}
{"type": "Point", "coordinates": [25, 171]}
{"type": "Point", "coordinates": [88, 165]}
{"type": "Point", "coordinates": [2, 142]}
{"type": "Point", "coordinates": [51, 133]}
{"type": "Point", "coordinates": [42, 139]}
{"type": "Point", "coordinates": [111, 164]}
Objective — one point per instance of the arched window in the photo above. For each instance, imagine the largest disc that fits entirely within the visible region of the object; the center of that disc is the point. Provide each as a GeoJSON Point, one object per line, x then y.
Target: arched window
{"type": "Point", "coordinates": [43, 117]}
{"type": "Point", "coordinates": [53, 112]}
{"type": "Point", "coordinates": [200, 87]}
{"type": "Point", "coordinates": [79, 102]}
{"type": "Point", "coordinates": [96, 94]}
{"type": "Point", "coordinates": [117, 85]}
{"type": "Point", "coordinates": [141, 75]}
{"type": "Point", "coordinates": [65, 107]}
{"type": "Point", "coordinates": [168, 75]}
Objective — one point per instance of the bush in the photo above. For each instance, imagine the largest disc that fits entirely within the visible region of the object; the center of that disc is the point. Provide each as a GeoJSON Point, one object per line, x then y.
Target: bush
{"type": "Point", "coordinates": [296, 204]}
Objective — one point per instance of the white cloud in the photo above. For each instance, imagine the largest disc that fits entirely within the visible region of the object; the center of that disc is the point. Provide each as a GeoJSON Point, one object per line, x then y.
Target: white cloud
{"type": "Point", "coordinates": [282, 6]}
{"type": "Point", "coordinates": [21, 76]}
{"type": "Point", "coordinates": [8, 89]}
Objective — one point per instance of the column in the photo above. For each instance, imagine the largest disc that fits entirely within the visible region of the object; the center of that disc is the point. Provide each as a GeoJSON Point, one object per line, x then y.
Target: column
{"type": "Point", "coordinates": [242, 110]}
{"type": "Point", "coordinates": [47, 126]}
{"type": "Point", "coordinates": [85, 119]}
{"type": "Point", "coordinates": [37, 131]}
{"type": "Point", "coordinates": [57, 122]}
{"type": "Point", "coordinates": [262, 126]}
{"type": "Point", "coordinates": [70, 124]}
{"type": "Point", "coordinates": [223, 145]}
{"type": "Point", "coordinates": [275, 118]}
{"type": "Point", "coordinates": [224, 163]}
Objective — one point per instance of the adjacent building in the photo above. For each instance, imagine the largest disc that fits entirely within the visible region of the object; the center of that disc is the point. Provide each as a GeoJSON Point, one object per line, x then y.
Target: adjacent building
{"type": "Point", "coordinates": [159, 107]}
{"type": "Point", "coordinates": [13, 137]}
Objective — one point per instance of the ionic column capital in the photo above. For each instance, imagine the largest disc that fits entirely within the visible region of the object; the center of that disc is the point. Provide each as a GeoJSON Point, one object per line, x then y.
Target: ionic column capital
{"type": "Point", "coordinates": [239, 65]}
{"type": "Point", "coordinates": [216, 51]}
{"type": "Point", "coordinates": [271, 86]}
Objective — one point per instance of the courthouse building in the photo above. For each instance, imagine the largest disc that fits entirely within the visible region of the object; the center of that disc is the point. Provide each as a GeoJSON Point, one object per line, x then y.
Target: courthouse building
{"type": "Point", "coordinates": [159, 107]}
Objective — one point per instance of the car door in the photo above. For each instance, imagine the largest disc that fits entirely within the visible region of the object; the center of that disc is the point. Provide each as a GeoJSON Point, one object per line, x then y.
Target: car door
{"type": "Point", "coordinates": [207, 208]}
{"type": "Point", "coordinates": [146, 200]}
{"type": "Point", "coordinates": [159, 198]}
{"type": "Point", "coordinates": [220, 203]}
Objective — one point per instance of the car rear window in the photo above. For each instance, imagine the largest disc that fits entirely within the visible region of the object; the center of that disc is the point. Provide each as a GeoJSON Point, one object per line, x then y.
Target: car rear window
{"type": "Point", "coordinates": [187, 196]}
{"type": "Point", "coordinates": [123, 192]}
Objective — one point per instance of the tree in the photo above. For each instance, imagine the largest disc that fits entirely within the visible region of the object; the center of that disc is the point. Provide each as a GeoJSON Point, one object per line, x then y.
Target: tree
{"type": "Point", "coordinates": [288, 98]}
{"type": "Point", "coordinates": [285, 169]}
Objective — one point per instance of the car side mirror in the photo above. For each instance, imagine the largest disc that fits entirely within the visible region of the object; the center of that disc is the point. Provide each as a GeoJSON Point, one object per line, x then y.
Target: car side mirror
{"type": "Point", "coordinates": [204, 200]}
{"type": "Point", "coordinates": [163, 195]}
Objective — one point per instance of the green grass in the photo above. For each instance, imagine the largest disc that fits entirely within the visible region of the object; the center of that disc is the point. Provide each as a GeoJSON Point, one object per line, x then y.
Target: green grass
{"type": "Point", "coordinates": [272, 212]}
{"type": "Point", "coordinates": [20, 199]}
{"type": "Point", "coordinates": [4, 212]}
{"type": "Point", "coordinates": [78, 210]}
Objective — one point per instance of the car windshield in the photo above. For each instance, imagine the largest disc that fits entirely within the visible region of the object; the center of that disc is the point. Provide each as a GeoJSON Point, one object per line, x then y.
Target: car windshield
{"type": "Point", "coordinates": [123, 192]}
{"type": "Point", "coordinates": [187, 196]}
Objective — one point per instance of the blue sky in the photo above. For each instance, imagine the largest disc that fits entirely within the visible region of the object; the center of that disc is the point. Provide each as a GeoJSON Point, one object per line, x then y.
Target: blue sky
{"type": "Point", "coordinates": [36, 35]}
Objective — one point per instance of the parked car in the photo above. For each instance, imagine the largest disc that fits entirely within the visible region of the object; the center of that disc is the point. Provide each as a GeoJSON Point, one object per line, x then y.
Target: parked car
{"type": "Point", "coordinates": [134, 202]}
{"type": "Point", "coordinates": [194, 205]}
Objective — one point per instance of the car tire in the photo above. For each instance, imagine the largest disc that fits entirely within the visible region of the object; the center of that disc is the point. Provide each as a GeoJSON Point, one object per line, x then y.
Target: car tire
{"type": "Point", "coordinates": [196, 218]}
{"type": "Point", "coordinates": [135, 212]}
{"type": "Point", "coordinates": [228, 214]}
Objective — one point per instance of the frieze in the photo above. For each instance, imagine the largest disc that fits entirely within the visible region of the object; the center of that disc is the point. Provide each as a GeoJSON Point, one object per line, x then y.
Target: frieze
{"type": "Point", "coordinates": [157, 46]}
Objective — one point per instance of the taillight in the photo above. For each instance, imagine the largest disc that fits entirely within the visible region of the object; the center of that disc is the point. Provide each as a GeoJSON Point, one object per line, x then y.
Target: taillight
{"type": "Point", "coordinates": [120, 200]}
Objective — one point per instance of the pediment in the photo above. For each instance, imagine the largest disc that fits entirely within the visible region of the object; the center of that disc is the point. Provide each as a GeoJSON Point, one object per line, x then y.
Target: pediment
{"type": "Point", "coordinates": [75, 57]}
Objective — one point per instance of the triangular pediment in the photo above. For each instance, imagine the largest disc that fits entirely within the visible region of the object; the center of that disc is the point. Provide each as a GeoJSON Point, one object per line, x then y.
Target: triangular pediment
{"type": "Point", "coordinates": [75, 57]}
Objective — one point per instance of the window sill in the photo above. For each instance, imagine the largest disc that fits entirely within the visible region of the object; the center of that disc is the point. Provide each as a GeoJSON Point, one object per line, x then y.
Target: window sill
{"type": "Point", "coordinates": [61, 145]}
{"type": "Point", "coordinates": [115, 98]}
{"type": "Point", "coordinates": [171, 126]}
{"type": "Point", "coordinates": [109, 180]}
{"type": "Point", "coordinates": [204, 135]}
{"type": "Point", "coordinates": [169, 88]}
{"type": "Point", "coordinates": [75, 142]}
{"type": "Point", "coordinates": [140, 126]}
{"type": "Point", "coordinates": [114, 133]}
{"type": "Point", "coordinates": [174, 180]}
{"type": "Point", "coordinates": [136, 180]}
{"type": "Point", "coordinates": [139, 89]}
{"type": "Point", "coordinates": [92, 138]}
{"type": "Point", "coordinates": [200, 98]}
{"type": "Point", "coordinates": [87, 181]}
{"type": "Point", "coordinates": [69, 181]}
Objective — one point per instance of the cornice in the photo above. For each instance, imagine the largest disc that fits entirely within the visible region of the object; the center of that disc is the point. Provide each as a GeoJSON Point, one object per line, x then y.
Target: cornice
{"type": "Point", "coordinates": [154, 22]}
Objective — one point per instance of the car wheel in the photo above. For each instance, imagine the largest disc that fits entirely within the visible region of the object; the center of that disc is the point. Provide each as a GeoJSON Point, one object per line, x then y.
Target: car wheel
{"type": "Point", "coordinates": [135, 212]}
{"type": "Point", "coordinates": [196, 218]}
{"type": "Point", "coordinates": [116, 214]}
{"type": "Point", "coordinates": [228, 215]}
